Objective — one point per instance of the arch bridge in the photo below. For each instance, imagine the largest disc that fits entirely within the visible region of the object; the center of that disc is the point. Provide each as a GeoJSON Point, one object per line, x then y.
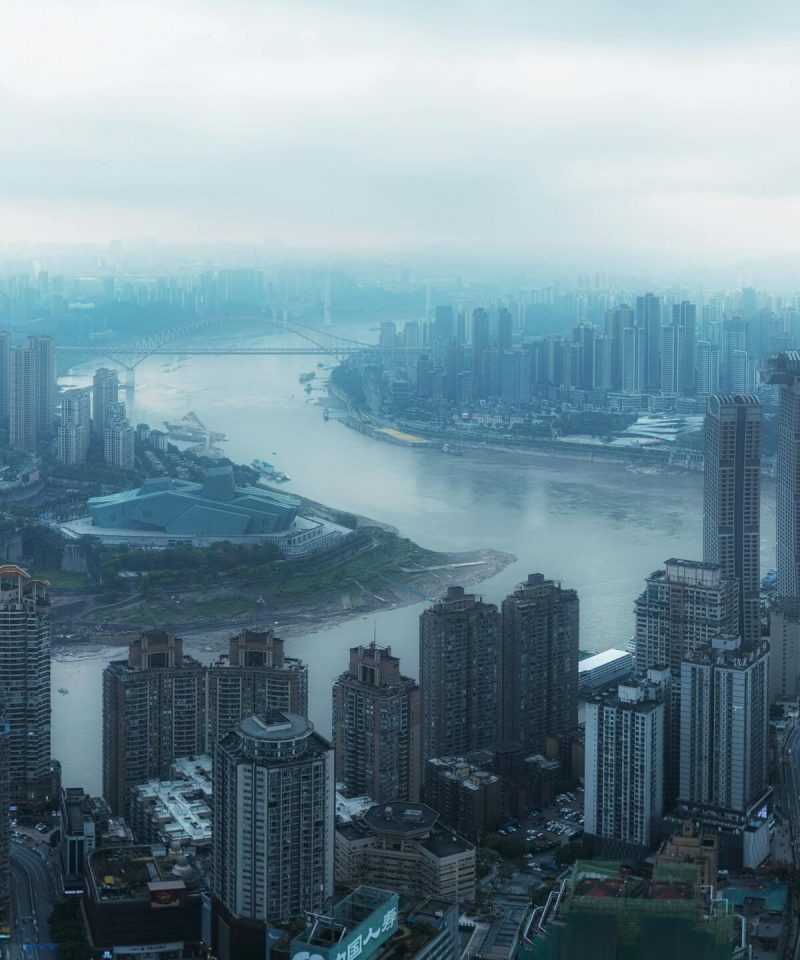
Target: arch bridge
{"type": "Point", "coordinates": [129, 354]}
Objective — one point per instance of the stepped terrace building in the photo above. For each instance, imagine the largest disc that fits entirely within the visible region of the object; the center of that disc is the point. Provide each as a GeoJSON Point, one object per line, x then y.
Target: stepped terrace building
{"type": "Point", "coordinates": [165, 512]}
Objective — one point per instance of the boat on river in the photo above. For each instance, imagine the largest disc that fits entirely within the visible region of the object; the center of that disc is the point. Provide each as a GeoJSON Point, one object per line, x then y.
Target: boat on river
{"type": "Point", "coordinates": [269, 471]}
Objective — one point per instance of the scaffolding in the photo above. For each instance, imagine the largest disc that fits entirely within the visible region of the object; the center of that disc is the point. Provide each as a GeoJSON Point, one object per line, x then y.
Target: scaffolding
{"type": "Point", "coordinates": [604, 912]}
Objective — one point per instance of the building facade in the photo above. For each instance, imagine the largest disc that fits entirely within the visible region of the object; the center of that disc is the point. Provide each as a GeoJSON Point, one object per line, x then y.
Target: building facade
{"type": "Point", "coordinates": [725, 727]}
{"type": "Point", "coordinates": [468, 799]}
{"type": "Point", "coordinates": [5, 828]}
{"type": "Point", "coordinates": [783, 371]}
{"type": "Point", "coordinates": [539, 662]}
{"type": "Point", "coordinates": [376, 727]}
{"type": "Point", "coordinates": [43, 355]}
{"type": "Point", "coordinates": [25, 684]}
{"type": "Point", "coordinates": [153, 713]}
{"type": "Point", "coordinates": [732, 500]}
{"type": "Point", "coordinates": [402, 847]}
{"type": "Point", "coordinates": [22, 400]}
{"type": "Point", "coordinates": [784, 650]}
{"type": "Point", "coordinates": [624, 792]}
{"type": "Point", "coordinates": [105, 391]}
{"type": "Point", "coordinates": [273, 819]}
{"type": "Point", "coordinates": [458, 653]}
{"type": "Point", "coordinates": [75, 428]}
{"type": "Point", "coordinates": [256, 677]}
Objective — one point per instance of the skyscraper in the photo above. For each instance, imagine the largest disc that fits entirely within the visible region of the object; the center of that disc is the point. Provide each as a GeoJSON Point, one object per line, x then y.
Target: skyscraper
{"type": "Point", "coordinates": [22, 400]}
{"type": "Point", "coordinates": [44, 377]}
{"type": "Point", "coordinates": [105, 392]}
{"type": "Point", "coordinates": [648, 319]}
{"type": "Point", "coordinates": [5, 824]}
{"type": "Point", "coordinates": [539, 662]}
{"type": "Point", "coordinates": [74, 431]}
{"type": "Point", "coordinates": [458, 649]}
{"type": "Point", "coordinates": [480, 344]}
{"type": "Point", "coordinates": [682, 609]}
{"type": "Point", "coordinates": [376, 727]}
{"type": "Point", "coordinates": [625, 734]}
{"type": "Point", "coordinates": [684, 314]}
{"type": "Point", "coordinates": [783, 370]}
{"type": "Point", "coordinates": [256, 677]}
{"type": "Point", "coordinates": [273, 819]}
{"type": "Point", "coordinates": [25, 684]}
{"type": "Point", "coordinates": [673, 351]}
{"type": "Point", "coordinates": [732, 500]}
{"type": "Point", "coordinates": [153, 713]}
{"type": "Point", "coordinates": [725, 726]}
{"type": "Point", "coordinates": [5, 378]}
{"type": "Point", "coordinates": [119, 438]}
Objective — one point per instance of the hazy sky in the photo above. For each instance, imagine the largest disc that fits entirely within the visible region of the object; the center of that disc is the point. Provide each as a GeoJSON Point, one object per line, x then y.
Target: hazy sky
{"type": "Point", "coordinates": [583, 125]}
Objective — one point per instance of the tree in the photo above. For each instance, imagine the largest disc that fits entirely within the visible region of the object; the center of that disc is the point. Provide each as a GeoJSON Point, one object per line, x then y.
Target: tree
{"type": "Point", "coordinates": [569, 853]}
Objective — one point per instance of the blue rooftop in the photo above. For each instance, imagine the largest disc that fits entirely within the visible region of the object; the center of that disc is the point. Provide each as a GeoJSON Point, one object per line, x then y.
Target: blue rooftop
{"type": "Point", "coordinates": [216, 507]}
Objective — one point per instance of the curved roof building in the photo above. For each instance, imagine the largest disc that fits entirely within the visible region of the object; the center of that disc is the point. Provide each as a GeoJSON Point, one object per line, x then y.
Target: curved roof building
{"type": "Point", "coordinates": [215, 508]}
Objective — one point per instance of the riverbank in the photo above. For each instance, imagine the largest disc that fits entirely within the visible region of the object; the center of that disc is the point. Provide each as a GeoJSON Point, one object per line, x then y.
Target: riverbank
{"type": "Point", "coordinates": [387, 572]}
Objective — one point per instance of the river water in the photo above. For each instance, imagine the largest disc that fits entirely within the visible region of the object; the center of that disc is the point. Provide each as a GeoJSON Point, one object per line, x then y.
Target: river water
{"type": "Point", "coordinates": [596, 527]}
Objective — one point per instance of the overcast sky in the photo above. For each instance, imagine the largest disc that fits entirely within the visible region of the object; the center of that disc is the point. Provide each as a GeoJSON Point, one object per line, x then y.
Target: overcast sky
{"type": "Point", "coordinates": [584, 125]}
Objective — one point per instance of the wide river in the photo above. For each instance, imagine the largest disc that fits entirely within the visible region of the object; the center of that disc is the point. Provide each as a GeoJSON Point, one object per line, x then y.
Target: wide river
{"type": "Point", "coordinates": [596, 527]}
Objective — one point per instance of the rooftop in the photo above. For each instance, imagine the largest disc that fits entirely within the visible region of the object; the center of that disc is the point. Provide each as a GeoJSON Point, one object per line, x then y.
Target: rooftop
{"type": "Point", "coordinates": [277, 725]}
{"type": "Point", "coordinates": [136, 872]}
{"type": "Point", "coordinates": [401, 817]}
{"type": "Point", "coordinates": [601, 659]}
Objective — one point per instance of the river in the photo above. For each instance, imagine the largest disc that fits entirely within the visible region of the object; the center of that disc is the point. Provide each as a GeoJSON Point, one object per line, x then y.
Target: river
{"type": "Point", "coordinates": [596, 527]}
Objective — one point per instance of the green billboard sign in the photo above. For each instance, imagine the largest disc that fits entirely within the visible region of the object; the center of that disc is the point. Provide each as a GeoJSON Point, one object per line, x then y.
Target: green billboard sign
{"type": "Point", "coordinates": [356, 943]}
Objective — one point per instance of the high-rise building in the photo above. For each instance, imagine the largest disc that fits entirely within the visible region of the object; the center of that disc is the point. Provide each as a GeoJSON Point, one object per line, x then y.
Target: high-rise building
{"type": "Point", "coordinates": [5, 827]}
{"type": "Point", "coordinates": [732, 500]}
{"type": "Point", "coordinates": [623, 799]}
{"type": "Point", "coordinates": [468, 799]}
{"type": "Point", "coordinates": [504, 329]}
{"type": "Point", "coordinates": [74, 431]}
{"type": "Point", "coordinates": [105, 391]}
{"type": "Point", "coordinates": [119, 438]}
{"type": "Point", "coordinates": [538, 683]}
{"type": "Point", "coordinates": [274, 796]}
{"type": "Point", "coordinates": [685, 315]}
{"type": "Point", "coordinates": [648, 319]}
{"type": "Point", "coordinates": [682, 609]}
{"type": "Point", "coordinates": [514, 378]}
{"type": "Point", "coordinates": [707, 368]}
{"type": "Point", "coordinates": [5, 378]}
{"type": "Point", "coordinates": [480, 344]}
{"type": "Point", "coordinates": [784, 649]}
{"type": "Point", "coordinates": [725, 726]}
{"type": "Point", "coordinates": [43, 356]}
{"type": "Point", "coordinates": [153, 713]}
{"type": "Point", "coordinates": [673, 350]}
{"type": "Point", "coordinates": [376, 727]}
{"type": "Point", "coordinates": [783, 371]}
{"type": "Point", "coordinates": [256, 677]}
{"type": "Point", "coordinates": [22, 400]}
{"type": "Point", "coordinates": [458, 649]}
{"type": "Point", "coordinates": [25, 684]}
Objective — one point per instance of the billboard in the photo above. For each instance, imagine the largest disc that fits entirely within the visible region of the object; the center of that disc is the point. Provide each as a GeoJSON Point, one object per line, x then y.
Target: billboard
{"type": "Point", "coordinates": [358, 942]}
{"type": "Point", "coordinates": [166, 894]}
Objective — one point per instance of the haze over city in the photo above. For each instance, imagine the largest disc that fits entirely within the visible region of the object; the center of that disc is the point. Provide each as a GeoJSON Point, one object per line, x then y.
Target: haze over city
{"type": "Point", "coordinates": [590, 134]}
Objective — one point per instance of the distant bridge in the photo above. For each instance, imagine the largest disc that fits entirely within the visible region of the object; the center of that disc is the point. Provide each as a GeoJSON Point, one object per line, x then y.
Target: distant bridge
{"type": "Point", "coordinates": [129, 354]}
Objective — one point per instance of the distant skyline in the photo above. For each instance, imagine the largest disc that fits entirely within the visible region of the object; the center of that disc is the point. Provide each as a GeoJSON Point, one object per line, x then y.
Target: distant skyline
{"type": "Point", "coordinates": [588, 130]}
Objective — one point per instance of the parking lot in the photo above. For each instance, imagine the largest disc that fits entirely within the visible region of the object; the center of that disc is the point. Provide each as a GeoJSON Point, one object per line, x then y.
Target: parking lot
{"type": "Point", "coordinates": [551, 826]}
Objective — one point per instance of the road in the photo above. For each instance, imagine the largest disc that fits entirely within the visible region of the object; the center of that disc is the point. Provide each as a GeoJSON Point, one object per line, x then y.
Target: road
{"type": "Point", "coordinates": [33, 897]}
{"type": "Point", "coordinates": [791, 790]}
